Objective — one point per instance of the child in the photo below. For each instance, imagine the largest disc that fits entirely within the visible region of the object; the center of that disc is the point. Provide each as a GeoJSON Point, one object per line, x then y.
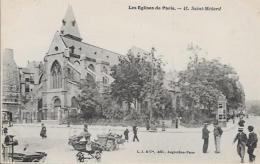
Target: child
{"type": "Point", "coordinates": [43, 132]}
{"type": "Point", "coordinates": [126, 134]}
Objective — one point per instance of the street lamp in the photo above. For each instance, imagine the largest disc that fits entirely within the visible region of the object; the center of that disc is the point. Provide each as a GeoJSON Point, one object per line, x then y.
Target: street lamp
{"type": "Point", "coordinates": [152, 89]}
{"type": "Point", "coordinates": [68, 118]}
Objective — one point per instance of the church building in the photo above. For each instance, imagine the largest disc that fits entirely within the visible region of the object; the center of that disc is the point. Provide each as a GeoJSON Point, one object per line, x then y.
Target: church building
{"type": "Point", "coordinates": [47, 91]}
{"type": "Point", "coordinates": [68, 61]}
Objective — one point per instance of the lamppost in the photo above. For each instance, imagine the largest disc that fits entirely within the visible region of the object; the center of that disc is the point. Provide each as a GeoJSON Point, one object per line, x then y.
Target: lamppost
{"type": "Point", "coordinates": [152, 88]}
{"type": "Point", "coordinates": [68, 118]}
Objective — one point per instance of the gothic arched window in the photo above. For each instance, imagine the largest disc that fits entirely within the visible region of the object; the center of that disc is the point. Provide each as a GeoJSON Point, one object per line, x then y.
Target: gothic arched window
{"type": "Point", "coordinates": [105, 70]}
{"type": "Point", "coordinates": [56, 78]}
{"type": "Point", "coordinates": [72, 48]}
{"type": "Point", "coordinates": [73, 23]}
{"type": "Point", "coordinates": [63, 22]}
{"type": "Point", "coordinates": [90, 78]}
{"type": "Point", "coordinates": [74, 102]}
{"type": "Point", "coordinates": [91, 67]}
{"type": "Point", "coordinates": [105, 80]}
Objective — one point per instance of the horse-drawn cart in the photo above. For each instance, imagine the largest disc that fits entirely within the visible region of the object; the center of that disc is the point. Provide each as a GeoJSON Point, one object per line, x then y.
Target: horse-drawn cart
{"type": "Point", "coordinates": [86, 149]}
{"type": "Point", "coordinates": [110, 141]}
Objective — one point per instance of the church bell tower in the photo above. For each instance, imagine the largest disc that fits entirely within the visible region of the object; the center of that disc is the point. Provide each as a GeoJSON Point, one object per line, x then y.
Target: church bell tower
{"type": "Point", "coordinates": [69, 26]}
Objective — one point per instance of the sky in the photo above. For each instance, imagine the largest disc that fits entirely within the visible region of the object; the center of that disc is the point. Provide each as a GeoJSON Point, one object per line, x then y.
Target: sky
{"type": "Point", "coordinates": [231, 35]}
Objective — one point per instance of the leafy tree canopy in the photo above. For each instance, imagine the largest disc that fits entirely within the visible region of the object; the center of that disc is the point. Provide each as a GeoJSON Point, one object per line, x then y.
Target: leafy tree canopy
{"type": "Point", "coordinates": [204, 80]}
{"type": "Point", "coordinates": [135, 76]}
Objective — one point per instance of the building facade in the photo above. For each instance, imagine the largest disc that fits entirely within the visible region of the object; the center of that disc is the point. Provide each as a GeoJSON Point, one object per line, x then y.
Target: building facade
{"type": "Point", "coordinates": [68, 61]}
{"type": "Point", "coordinates": [10, 84]}
{"type": "Point", "coordinates": [48, 90]}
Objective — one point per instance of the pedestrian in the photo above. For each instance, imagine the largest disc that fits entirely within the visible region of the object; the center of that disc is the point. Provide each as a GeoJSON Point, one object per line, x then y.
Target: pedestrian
{"type": "Point", "coordinates": [217, 136]}
{"type": "Point", "coordinates": [135, 133]}
{"type": "Point", "coordinates": [205, 137]}
{"type": "Point", "coordinates": [5, 131]}
{"type": "Point", "coordinates": [233, 118]}
{"type": "Point", "coordinates": [85, 134]}
{"type": "Point", "coordinates": [43, 132]}
{"type": "Point", "coordinates": [177, 122]}
{"type": "Point", "coordinates": [251, 143]}
{"type": "Point", "coordinates": [163, 126]}
{"type": "Point", "coordinates": [241, 122]}
{"type": "Point", "coordinates": [147, 124]}
{"type": "Point", "coordinates": [126, 132]}
{"type": "Point", "coordinates": [241, 139]}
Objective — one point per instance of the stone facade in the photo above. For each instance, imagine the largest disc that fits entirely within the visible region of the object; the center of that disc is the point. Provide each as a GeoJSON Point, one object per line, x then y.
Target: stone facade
{"type": "Point", "coordinates": [10, 84]}
{"type": "Point", "coordinates": [49, 89]}
{"type": "Point", "coordinates": [68, 61]}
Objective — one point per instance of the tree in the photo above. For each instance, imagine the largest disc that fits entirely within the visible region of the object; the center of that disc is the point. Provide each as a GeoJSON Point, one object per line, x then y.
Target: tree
{"type": "Point", "coordinates": [89, 99]}
{"type": "Point", "coordinates": [204, 80]}
{"type": "Point", "coordinates": [110, 109]}
{"type": "Point", "coordinates": [93, 104]}
{"type": "Point", "coordinates": [139, 78]}
{"type": "Point", "coordinates": [133, 77]}
{"type": "Point", "coordinates": [161, 103]}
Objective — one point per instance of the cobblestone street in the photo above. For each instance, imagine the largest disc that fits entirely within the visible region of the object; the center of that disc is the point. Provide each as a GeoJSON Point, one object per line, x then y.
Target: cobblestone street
{"type": "Point", "coordinates": [158, 147]}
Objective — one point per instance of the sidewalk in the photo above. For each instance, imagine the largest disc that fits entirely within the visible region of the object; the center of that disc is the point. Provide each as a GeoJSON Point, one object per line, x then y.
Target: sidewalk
{"type": "Point", "coordinates": [181, 129]}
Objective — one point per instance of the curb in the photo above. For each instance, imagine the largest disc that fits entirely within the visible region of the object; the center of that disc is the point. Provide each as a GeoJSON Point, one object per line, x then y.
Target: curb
{"type": "Point", "coordinates": [170, 130]}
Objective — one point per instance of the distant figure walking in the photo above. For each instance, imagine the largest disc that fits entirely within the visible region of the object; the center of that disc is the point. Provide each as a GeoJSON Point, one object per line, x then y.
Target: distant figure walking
{"type": "Point", "coordinates": [135, 133]}
{"type": "Point", "coordinates": [147, 124]}
{"type": "Point", "coordinates": [233, 118]}
{"type": "Point", "coordinates": [126, 132]}
{"type": "Point", "coordinates": [43, 133]}
{"type": "Point", "coordinates": [251, 143]}
{"type": "Point", "coordinates": [163, 126]}
{"type": "Point", "coordinates": [217, 136]}
{"type": "Point", "coordinates": [177, 122]}
{"type": "Point", "coordinates": [241, 139]}
{"type": "Point", "coordinates": [241, 122]}
{"type": "Point", "coordinates": [205, 137]}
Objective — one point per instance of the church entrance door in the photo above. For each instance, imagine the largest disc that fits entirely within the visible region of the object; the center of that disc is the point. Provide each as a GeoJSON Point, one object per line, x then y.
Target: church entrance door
{"type": "Point", "coordinates": [57, 109]}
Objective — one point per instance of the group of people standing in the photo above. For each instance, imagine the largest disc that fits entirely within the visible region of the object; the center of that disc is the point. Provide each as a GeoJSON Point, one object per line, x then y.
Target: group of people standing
{"type": "Point", "coordinates": [217, 137]}
{"type": "Point", "coordinates": [126, 134]}
{"type": "Point", "coordinates": [242, 140]}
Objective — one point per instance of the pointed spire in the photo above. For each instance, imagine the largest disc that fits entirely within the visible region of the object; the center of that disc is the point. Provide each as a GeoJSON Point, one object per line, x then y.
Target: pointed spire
{"type": "Point", "coordinates": [69, 25]}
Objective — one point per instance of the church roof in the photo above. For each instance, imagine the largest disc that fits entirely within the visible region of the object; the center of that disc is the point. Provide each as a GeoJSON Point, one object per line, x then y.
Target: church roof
{"type": "Point", "coordinates": [94, 52]}
{"type": "Point", "coordinates": [69, 25]}
{"type": "Point", "coordinates": [26, 70]}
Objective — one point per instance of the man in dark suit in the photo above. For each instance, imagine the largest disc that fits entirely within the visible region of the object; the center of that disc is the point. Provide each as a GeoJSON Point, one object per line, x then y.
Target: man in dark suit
{"type": "Point", "coordinates": [217, 132]}
{"type": "Point", "coordinates": [241, 139]}
{"type": "Point", "coordinates": [205, 137]}
{"type": "Point", "coordinates": [135, 133]}
{"type": "Point", "coordinates": [241, 122]}
{"type": "Point", "coordinates": [251, 143]}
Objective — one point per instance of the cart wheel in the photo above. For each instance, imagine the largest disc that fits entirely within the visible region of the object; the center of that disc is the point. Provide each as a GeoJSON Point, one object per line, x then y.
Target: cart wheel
{"type": "Point", "coordinates": [35, 160]}
{"type": "Point", "coordinates": [80, 157]}
{"type": "Point", "coordinates": [98, 156]}
{"type": "Point", "coordinates": [109, 146]}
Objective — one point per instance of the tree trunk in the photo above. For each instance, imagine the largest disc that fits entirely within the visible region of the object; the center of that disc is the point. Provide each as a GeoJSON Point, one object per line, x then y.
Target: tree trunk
{"type": "Point", "coordinates": [192, 115]}
{"type": "Point", "coordinates": [192, 111]}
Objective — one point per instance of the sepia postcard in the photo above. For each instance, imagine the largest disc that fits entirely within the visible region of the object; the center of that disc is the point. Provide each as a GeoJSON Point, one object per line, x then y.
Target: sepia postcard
{"type": "Point", "coordinates": [130, 81]}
